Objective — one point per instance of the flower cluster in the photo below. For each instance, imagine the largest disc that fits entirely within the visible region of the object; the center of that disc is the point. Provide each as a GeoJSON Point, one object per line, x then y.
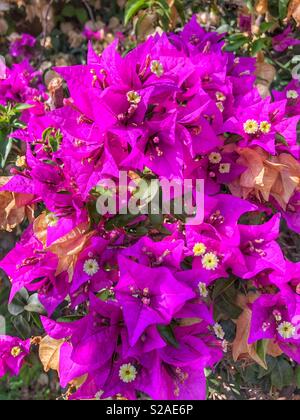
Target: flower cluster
{"type": "Point", "coordinates": [12, 354]}
{"type": "Point", "coordinates": [22, 84]}
{"type": "Point", "coordinates": [22, 46]}
{"type": "Point", "coordinates": [176, 107]}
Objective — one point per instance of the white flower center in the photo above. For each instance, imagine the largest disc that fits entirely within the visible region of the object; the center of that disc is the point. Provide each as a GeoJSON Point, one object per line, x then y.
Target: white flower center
{"type": "Point", "coordinates": [91, 267]}
{"type": "Point", "coordinates": [127, 373]}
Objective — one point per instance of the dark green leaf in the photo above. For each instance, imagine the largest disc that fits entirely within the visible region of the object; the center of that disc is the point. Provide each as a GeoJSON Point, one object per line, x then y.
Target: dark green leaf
{"type": "Point", "coordinates": [167, 333]}
{"type": "Point", "coordinates": [22, 326]}
{"type": "Point", "coordinates": [281, 139]}
{"type": "Point", "coordinates": [82, 15]}
{"type": "Point", "coordinates": [258, 45]}
{"type": "Point", "coordinates": [282, 374]}
{"type": "Point", "coordinates": [221, 286]}
{"type": "Point", "coordinates": [69, 11]}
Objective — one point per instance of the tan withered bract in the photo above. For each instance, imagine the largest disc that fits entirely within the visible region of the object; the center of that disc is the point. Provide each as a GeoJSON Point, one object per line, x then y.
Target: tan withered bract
{"type": "Point", "coordinates": [40, 227]}
{"type": "Point", "coordinates": [240, 347]}
{"type": "Point", "coordinates": [265, 75]}
{"type": "Point", "coordinates": [294, 11]}
{"type": "Point", "coordinates": [262, 7]}
{"type": "Point", "coordinates": [49, 353]}
{"type": "Point", "coordinates": [69, 247]}
{"type": "Point", "coordinates": [267, 176]}
{"type": "Point", "coordinates": [14, 207]}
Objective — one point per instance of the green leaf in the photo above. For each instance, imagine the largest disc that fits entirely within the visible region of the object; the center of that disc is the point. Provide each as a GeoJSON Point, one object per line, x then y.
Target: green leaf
{"type": "Point", "coordinates": [236, 44]}
{"type": "Point", "coordinates": [283, 7]}
{"type": "Point", "coordinates": [82, 15]}
{"type": "Point", "coordinates": [133, 7]}
{"type": "Point", "coordinates": [282, 374]}
{"type": "Point", "coordinates": [22, 107]}
{"type": "Point", "coordinates": [34, 305]}
{"type": "Point", "coordinates": [261, 350]}
{"type": "Point", "coordinates": [266, 26]}
{"type": "Point", "coordinates": [167, 333]}
{"type": "Point", "coordinates": [258, 45]}
{"type": "Point", "coordinates": [105, 295]}
{"type": "Point", "coordinates": [22, 326]}
{"type": "Point", "coordinates": [180, 10]}
{"type": "Point", "coordinates": [281, 139]}
{"type": "Point", "coordinates": [163, 5]}
{"type": "Point", "coordinates": [69, 11]}
{"type": "Point", "coordinates": [120, 221]}
{"type": "Point", "coordinates": [5, 147]}
{"type": "Point", "coordinates": [224, 297]}
{"type": "Point", "coordinates": [15, 309]}
{"type": "Point", "coordinates": [221, 286]}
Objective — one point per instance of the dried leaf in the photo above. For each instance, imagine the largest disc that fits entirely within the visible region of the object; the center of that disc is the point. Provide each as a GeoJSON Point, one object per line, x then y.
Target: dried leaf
{"type": "Point", "coordinates": [69, 247]}
{"type": "Point", "coordinates": [14, 207]}
{"type": "Point", "coordinates": [294, 11]}
{"type": "Point", "coordinates": [265, 74]}
{"type": "Point", "coordinates": [265, 176]}
{"type": "Point", "coordinates": [40, 227]}
{"type": "Point", "coordinates": [261, 7]}
{"type": "Point", "coordinates": [49, 352]}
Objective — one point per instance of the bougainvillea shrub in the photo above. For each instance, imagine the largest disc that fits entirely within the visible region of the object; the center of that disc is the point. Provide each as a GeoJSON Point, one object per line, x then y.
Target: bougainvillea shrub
{"type": "Point", "coordinates": [135, 305]}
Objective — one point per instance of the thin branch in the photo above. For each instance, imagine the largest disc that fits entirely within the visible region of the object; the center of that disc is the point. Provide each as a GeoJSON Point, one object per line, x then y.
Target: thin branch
{"type": "Point", "coordinates": [89, 9]}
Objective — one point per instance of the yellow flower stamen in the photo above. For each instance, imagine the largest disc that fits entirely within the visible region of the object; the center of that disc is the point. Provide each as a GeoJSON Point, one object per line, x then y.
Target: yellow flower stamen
{"type": "Point", "coordinates": [16, 351]}
{"type": "Point", "coordinates": [251, 127]}
{"type": "Point", "coordinates": [220, 106]}
{"type": "Point", "coordinates": [21, 162]}
{"type": "Point", "coordinates": [157, 68]}
{"type": "Point", "coordinates": [199, 249]}
{"type": "Point", "coordinates": [265, 127]}
{"type": "Point", "coordinates": [134, 97]}
{"type": "Point", "coordinates": [220, 96]}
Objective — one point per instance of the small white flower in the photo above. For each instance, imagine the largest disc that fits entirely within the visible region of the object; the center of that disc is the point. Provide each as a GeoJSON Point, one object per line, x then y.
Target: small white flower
{"type": "Point", "coordinates": [225, 168]}
{"type": "Point", "coordinates": [225, 346]}
{"type": "Point", "coordinates": [277, 315]}
{"type": "Point", "coordinates": [91, 267]}
{"type": "Point", "coordinates": [219, 332]}
{"type": "Point", "coordinates": [266, 326]}
{"type": "Point", "coordinates": [157, 68]}
{"type": "Point", "coordinates": [215, 157]}
{"type": "Point", "coordinates": [210, 261]}
{"type": "Point", "coordinates": [286, 330]}
{"type": "Point", "coordinates": [292, 94]}
{"type": "Point", "coordinates": [127, 373]}
{"type": "Point", "coordinates": [203, 290]}
{"type": "Point", "coordinates": [134, 97]}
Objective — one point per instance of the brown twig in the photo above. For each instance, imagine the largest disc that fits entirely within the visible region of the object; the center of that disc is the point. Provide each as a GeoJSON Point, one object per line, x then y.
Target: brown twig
{"type": "Point", "coordinates": [89, 9]}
